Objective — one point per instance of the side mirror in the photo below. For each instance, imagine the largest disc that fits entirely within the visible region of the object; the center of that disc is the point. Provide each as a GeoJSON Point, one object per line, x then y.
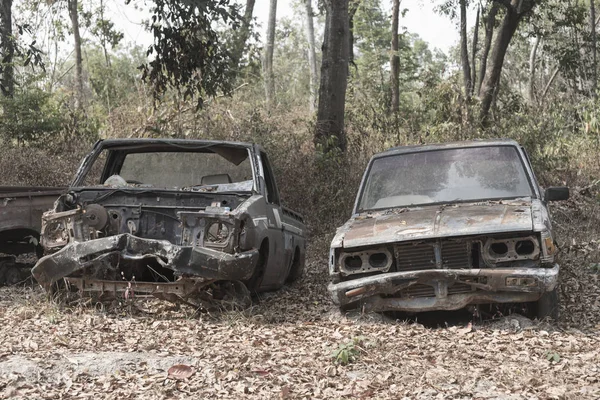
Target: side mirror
{"type": "Point", "coordinates": [557, 193]}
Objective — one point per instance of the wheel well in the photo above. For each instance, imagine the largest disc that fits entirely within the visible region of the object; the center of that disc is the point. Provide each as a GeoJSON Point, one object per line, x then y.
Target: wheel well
{"type": "Point", "coordinates": [16, 241]}
{"type": "Point", "coordinates": [264, 247]}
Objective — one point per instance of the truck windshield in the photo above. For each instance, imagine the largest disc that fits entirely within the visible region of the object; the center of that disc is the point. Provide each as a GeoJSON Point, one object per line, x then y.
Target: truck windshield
{"type": "Point", "coordinates": [193, 171]}
{"type": "Point", "coordinates": [444, 176]}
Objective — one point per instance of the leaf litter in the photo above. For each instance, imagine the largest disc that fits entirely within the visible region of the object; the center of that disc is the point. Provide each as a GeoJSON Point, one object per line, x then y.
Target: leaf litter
{"type": "Point", "coordinates": [282, 346]}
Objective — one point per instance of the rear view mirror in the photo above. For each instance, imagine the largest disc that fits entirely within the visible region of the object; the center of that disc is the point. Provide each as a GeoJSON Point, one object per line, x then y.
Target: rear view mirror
{"type": "Point", "coordinates": [557, 193]}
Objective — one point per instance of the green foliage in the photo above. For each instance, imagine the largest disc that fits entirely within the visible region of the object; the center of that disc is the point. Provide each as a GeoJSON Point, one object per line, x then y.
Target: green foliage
{"type": "Point", "coordinates": [188, 53]}
{"type": "Point", "coordinates": [30, 115]}
{"type": "Point", "coordinates": [349, 352]}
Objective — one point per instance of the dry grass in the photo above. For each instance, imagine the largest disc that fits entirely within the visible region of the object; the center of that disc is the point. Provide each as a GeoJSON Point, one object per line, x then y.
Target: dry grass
{"type": "Point", "coordinates": [282, 347]}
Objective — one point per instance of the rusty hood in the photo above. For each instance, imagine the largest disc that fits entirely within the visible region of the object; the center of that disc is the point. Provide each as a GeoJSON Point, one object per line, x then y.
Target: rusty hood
{"type": "Point", "coordinates": [435, 222]}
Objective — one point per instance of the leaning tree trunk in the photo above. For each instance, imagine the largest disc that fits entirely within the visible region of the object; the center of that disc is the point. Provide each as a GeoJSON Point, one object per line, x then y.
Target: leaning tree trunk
{"type": "Point", "coordinates": [74, 14]}
{"type": "Point", "coordinates": [464, 52]}
{"type": "Point", "coordinates": [7, 49]}
{"type": "Point", "coordinates": [352, 8]}
{"type": "Point", "coordinates": [329, 131]}
{"type": "Point", "coordinates": [243, 34]}
{"type": "Point", "coordinates": [268, 57]}
{"type": "Point", "coordinates": [494, 70]}
{"type": "Point", "coordinates": [490, 20]}
{"type": "Point", "coordinates": [474, 52]}
{"type": "Point", "coordinates": [594, 50]}
{"type": "Point", "coordinates": [312, 57]}
{"type": "Point", "coordinates": [395, 59]}
{"type": "Point", "coordinates": [532, 61]}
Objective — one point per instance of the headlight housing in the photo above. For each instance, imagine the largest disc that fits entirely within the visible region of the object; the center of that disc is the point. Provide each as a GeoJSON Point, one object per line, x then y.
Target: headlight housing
{"type": "Point", "coordinates": [360, 262]}
{"type": "Point", "coordinates": [217, 234]}
{"type": "Point", "coordinates": [513, 249]}
{"type": "Point", "coordinates": [55, 233]}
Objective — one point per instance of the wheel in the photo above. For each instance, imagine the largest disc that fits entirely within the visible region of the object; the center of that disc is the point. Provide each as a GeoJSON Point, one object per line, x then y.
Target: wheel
{"type": "Point", "coordinates": [297, 268]}
{"type": "Point", "coordinates": [253, 284]}
{"type": "Point", "coordinates": [547, 306]}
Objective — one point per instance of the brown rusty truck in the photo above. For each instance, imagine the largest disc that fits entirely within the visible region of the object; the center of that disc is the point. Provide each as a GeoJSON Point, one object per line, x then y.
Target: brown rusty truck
{"type": "Point", "coordinates": [183, 220]}
{"type": "Point", "coordinates": [443, 227]}
{"type": "Point", "coordinates": [21, 211]}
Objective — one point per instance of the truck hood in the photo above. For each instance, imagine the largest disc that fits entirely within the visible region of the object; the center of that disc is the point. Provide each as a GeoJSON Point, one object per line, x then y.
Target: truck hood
{"type": "Point", "coordinates": [435, 222]}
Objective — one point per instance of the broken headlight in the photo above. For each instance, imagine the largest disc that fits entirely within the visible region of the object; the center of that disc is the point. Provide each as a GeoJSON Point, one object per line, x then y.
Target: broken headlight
{"type": "Point", "coordinates": [217, 234]}
{"type": "Point", "coordinates": [514, 249]}
{"type": "Point", "coordinates": [54, 233]}
{"type": "Point", "coordinates": [365, 261]}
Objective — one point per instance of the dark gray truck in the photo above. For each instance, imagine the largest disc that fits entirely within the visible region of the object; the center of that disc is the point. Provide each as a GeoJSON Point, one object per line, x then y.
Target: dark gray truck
{"type": "Point", "coordinates": [187, 220]}
{"type": "Point", "coordinates": [442, 227]}
{"type": "Point", "coordinates": [21, 211]}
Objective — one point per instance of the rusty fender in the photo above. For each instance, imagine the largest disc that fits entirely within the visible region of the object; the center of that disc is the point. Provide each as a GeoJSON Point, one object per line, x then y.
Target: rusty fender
{"type": "Point", "coordinates": [501, 286]}
{"type": "Point", "coordinates": [184, 260]}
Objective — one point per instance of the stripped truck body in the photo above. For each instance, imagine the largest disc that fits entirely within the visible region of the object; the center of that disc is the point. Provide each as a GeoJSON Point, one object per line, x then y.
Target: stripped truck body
{"type": "Point", "coordinates": [177, 219]}
{"type": "Point", "coordinates": [443, 227]}
{"type": "Point", "coordinates": [21, 210]}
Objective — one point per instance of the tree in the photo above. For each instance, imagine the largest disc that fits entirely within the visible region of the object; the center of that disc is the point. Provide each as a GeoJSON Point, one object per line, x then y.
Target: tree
{"type": "Point", "coordinates": [243, 34]}
{"type": "Point", "coordinates": [74, 15]}
{"type": "Point", "coordinates": [515, 10]}
{"type": "Point", "coordinates": [395, 58]}
{"type": "Point", "coordinates": [489, 22]}
{"type": "Point", "coordinates": [593, 45]}
{"type": "Point", "coordinates": [7, 49]}
{"type": "Point", "coordinates": [329, 131]}
{"type": "Point", "coordinates": [189, 53]}
{"type": "Point", "coordinates": [474, 52]}
{"type": "Point", "coordinates": [268, 57]}
{"type": "Point", "coordinates": [312, 57]}
{"type": "Point", "coordinates": [464, 52]}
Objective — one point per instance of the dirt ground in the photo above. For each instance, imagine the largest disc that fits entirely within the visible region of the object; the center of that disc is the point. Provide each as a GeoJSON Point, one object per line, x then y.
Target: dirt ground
{"type": "Point", "coordinates": [282, 347]}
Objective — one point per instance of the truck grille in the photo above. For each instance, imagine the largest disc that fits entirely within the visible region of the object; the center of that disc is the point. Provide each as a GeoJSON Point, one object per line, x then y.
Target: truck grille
{"type": "Point", "coordinates": [421, 255]}
{"type": "Point", "coordinates": [420, 290]}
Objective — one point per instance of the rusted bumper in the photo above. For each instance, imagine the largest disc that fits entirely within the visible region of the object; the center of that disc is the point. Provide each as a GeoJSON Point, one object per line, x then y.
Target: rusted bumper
{"type": "Point", "coordinates": [392, 291]}
{"type": "Point", "coordinates": [107, 252]}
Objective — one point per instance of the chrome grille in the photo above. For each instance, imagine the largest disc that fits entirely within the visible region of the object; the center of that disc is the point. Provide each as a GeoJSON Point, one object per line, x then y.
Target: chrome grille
{"type": "Point", "coordinates": [421, 255]}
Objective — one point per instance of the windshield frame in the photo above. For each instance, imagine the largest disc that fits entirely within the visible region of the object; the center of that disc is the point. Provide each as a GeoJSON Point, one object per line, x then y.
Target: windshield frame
{"type": "Point", "coordinates": [526, 169]}
{"type": "Point", "coordinates": [89, 160]}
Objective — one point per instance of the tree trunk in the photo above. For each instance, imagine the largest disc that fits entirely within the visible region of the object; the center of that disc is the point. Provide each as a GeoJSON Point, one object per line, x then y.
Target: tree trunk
{"type": "Point", "coordinates": [594, 51]}
{"type": "Point", "coordinates": [268, 58]}
{"type": "Point", "coordinates": [464, 52]}
{"type": "Point", "coordinates": [395, 58]}
{"type": "Point", "coordinates": [352, 8]}
{"type": "Point", "coordinates": [532, 58]}
{"type": "Point", "coordinates": [492, 75]}
{"type": "Point", "coordinates": [74, 14]}
{"type": "Point", "coordinates": [243, 34]}
{"type": "Point", "coordinates": [490, 20]}
{"type": "Point", "coordinates": [474, 52]}
{"type": "Point", "coordinates": [7, 49]}
{"type": "Point", "coordinates": [329, 132]}
{"type": "Point", "coordinates": [312, 57]}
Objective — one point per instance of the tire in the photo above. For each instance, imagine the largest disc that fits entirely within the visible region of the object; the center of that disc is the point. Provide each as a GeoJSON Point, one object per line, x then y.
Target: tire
{"type": "Point", "coordinates": [253, 284]}
{"type": "Point", "coordinates": [548, 306]}
{"type": "Point", "coordinates": [297, 268]}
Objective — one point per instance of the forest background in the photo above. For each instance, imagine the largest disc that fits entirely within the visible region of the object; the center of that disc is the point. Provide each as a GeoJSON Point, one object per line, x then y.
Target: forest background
{"type": "Point", "coordinates": [322, 90]}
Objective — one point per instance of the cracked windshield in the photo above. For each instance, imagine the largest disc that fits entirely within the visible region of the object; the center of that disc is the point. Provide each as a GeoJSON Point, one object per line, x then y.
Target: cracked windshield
{"type": "Point", "coordinates": [445, 176]}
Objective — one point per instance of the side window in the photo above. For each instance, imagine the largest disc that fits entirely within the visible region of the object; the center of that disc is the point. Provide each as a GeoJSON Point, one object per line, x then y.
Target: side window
{"type": "Point", "coordinates": [272, 194]}
{"type": "Point", "coordinates": [94, 175]}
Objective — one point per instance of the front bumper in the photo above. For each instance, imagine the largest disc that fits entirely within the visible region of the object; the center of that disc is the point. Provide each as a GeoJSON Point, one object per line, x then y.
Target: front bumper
{"type": "Point", "coordinates": [185, 261]}
{"type": "Point", "coordinates": [388, 292]}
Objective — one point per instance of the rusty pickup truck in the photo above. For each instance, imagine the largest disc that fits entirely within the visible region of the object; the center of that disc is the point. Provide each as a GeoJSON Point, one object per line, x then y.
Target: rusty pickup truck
{"type": "Point", "coordinates": [184, 220]}
{"type": "Point", "coordinates": [21, 211]}
{"type": "Point", "coordinates": [443, 227]}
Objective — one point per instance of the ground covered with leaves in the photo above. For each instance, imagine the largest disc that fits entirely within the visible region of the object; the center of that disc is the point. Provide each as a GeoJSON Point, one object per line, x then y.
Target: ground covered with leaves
{"type": "Point", "coordinates": [294, 344]}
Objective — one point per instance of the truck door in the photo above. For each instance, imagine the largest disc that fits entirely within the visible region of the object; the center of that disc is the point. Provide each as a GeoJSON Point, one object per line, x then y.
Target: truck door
{"type": "Point", "coordinates": [277, 262]}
